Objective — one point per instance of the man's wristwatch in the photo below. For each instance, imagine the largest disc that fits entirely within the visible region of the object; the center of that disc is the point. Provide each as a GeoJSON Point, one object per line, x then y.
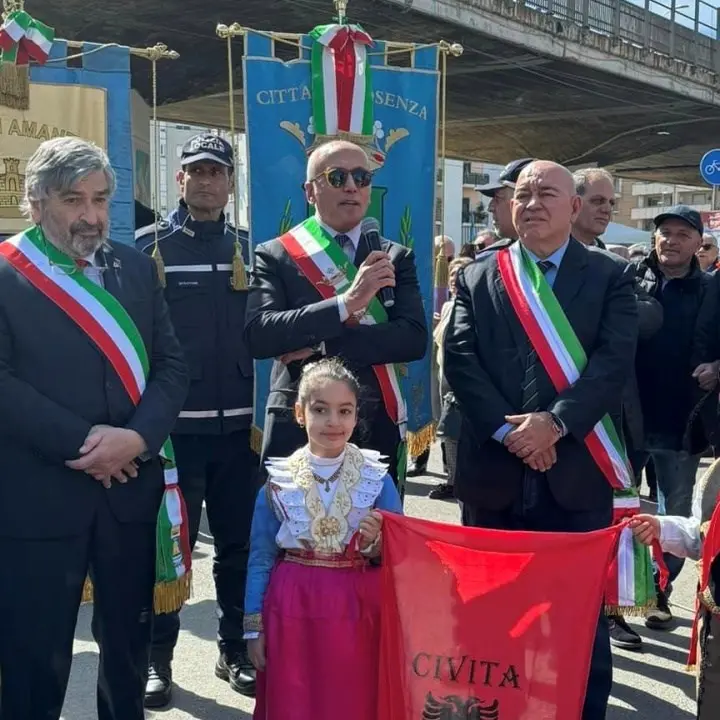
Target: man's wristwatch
{"type": "Point", "coordinates": [557, 424]}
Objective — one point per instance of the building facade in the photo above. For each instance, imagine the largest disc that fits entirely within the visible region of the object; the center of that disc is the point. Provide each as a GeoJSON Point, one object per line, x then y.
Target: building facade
{"type": "Point", "coordinates": [640, 202]}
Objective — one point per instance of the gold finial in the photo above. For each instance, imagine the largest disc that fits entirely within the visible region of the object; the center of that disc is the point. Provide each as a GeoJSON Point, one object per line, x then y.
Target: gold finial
{"type": "Point", "coordinates": [454, 49]}
{"type": "Point", "coordinates": [160, 52]}
{"type": "Point", "coordinates": [234, 30]}
{"type": "Point", "coordinates": [10, 6]}
{"type": "Point", "coordinates": [341, 8]}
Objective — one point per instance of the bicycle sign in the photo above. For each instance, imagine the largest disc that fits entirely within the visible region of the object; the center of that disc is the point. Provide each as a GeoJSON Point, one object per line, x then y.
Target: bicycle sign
{"type": "Point", "coordinates": [710, 167]}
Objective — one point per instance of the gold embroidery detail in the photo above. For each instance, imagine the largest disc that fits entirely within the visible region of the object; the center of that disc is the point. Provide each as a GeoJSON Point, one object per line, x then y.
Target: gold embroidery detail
{"type": "Point", "coordinates": [253, 623]}
{"type": "Point", "coordinates": [328, 528]}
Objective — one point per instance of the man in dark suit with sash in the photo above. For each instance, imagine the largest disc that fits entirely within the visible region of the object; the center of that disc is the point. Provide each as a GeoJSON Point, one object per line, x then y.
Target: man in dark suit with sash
{"type": "Point", "coordinates": [313, 294]}
{"type": "Point", "coordinates": [537, 351]}
{"type": "Point", "coordinates": [91, 382]}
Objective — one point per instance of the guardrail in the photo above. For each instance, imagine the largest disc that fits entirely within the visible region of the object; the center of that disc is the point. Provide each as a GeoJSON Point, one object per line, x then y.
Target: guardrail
{"type": "Point", "coordinates": [685, 30]}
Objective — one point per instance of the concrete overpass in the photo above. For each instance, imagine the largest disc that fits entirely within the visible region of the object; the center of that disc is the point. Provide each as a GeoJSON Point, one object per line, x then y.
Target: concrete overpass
{"type": "Point", "coordinates": [579, 81]}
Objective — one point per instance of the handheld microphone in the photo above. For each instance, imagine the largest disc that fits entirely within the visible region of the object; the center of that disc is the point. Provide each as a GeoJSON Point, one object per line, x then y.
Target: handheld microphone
{"type": "Point", "coordinates": [370, 228]}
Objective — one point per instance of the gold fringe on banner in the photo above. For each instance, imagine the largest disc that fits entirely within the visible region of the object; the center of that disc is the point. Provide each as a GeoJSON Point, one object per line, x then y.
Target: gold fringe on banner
{"type": "Point", "coordinates": [256, 439]}
{"type": "Point", "coordinates": [637, 611]}
{"type": "Point", "coordinates": [14, 86]}
{"type": "Point", "coordinates": [239, 276]}
{"type": "Point", "coordinates": [87, 595]}
{"type": "Point", "coordinates": [420, 440]}
{"type": "Point", "coordinates": [159, 263]}
{"type": "Point", "coordinates": [167, 597]}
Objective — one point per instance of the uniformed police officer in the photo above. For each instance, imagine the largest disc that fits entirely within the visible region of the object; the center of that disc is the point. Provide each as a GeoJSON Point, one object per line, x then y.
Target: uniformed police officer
{"type": "Point", "coordinates": [203, 263]}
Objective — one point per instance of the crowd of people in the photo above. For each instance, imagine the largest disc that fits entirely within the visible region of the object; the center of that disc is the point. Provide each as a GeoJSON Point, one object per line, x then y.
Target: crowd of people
{"type": "Point", "coordinates": [126, 375]}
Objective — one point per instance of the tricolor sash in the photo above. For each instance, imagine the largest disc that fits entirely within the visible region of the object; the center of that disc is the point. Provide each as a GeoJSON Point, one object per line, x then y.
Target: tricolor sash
{"type": "Point", "coordinates": [324, 263]}
{"type": "Point", "coordinates": [630, 584]}
{"type": "Point", "coordinates": [106, 322]}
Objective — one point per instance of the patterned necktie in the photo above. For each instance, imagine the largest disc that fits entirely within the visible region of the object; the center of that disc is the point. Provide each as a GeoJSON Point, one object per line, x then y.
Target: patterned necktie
{"type": "Point", "coordinates": [346, 244]}
{"type": "Point", "coordinates": [529, 385]}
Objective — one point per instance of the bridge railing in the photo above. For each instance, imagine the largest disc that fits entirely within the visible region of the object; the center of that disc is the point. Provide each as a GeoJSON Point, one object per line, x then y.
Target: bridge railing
{"type": "Point", "coordinates": [686, 30]}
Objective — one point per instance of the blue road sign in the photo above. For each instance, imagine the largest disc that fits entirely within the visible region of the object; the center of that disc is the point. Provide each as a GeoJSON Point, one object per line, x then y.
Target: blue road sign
{"type": "Point", "coordinates": [710, 167]}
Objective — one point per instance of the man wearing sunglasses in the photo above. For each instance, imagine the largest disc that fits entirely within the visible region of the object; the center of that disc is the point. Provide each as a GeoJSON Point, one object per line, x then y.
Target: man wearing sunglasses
{"type": "Point", "coordinates": [707, 255]}
{"type": "Point", "coordinates": [294, 320]}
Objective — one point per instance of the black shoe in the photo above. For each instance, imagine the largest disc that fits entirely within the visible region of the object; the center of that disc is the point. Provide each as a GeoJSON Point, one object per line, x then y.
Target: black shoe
{"type": "Point", "coordinates": [442, 492]}
{"type": "Point", "coordinates": [158, 689]}
{"type": "Point", "coordinates": [235, 668]}
{"type": "Point", "coordinates": [660, 618]}
{"type": "Point", "coordinates": [419, 465]}
{"type": "Point", "coordinates": [622, 635]}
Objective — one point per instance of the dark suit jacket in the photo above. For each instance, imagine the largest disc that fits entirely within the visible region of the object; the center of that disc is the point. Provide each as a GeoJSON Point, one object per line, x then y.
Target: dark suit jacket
{"type": "Point", "coordinates": [285, 312]}
{"type": "Point", "coordinates": [485, 355]}
{"type": "Point", "coordinates": [55, 385]}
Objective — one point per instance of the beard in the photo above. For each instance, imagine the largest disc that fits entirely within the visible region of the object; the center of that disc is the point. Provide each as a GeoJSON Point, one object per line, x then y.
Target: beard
{"type": "Point", "coordinates": [79, 240]}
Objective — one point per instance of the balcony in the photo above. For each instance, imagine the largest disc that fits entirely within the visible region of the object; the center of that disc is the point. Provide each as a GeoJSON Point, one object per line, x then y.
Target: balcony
{"type": "Point", "coordinates": [648, 213]}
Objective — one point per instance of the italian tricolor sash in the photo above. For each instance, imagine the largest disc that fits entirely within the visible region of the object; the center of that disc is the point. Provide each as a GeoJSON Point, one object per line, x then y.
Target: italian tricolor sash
{"type": "Point", "coordinates": [112, 330]}
{"type": "Point", "coordinates": [323, 262]}
{"type": "Point", "coordinates": [630, 584]}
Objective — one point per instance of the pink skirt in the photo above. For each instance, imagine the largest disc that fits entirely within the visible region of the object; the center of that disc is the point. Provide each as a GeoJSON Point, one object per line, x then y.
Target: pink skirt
{"type": "Point", "coordinates": [322, 644]}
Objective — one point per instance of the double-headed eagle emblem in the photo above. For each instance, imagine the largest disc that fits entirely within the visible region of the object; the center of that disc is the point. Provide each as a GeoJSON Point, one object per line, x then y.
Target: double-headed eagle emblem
{"type": "Point", "coordinates": [452, 707]}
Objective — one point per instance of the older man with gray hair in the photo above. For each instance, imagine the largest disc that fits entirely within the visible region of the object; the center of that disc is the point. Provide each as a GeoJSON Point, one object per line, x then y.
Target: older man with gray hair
{"type": "Point", "coordinates": [91, 382]}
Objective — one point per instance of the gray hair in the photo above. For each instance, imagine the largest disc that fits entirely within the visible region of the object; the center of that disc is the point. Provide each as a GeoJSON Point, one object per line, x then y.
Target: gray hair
{"type": "Point", "coordinates": [587, 175]}
{"type": "Point", "coordinates": [58, 164]}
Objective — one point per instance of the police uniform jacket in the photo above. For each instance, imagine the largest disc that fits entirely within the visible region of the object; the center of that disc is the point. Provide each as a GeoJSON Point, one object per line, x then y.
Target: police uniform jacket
{"type": "Point", "coordinates": [208, 316]}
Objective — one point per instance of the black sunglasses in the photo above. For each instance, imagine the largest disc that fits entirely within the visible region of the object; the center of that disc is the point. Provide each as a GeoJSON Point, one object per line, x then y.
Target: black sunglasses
{"type": "Point", "coordinates": [337, 177]}
{"type": "Point", "coordinates": [707, 246]}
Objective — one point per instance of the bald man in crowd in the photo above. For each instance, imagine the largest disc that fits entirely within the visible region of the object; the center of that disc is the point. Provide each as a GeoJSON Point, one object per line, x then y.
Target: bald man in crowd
{"type": "Point", "coordinates": [295, 320]}
{"type": "Point", "coordinates": [522, 460]}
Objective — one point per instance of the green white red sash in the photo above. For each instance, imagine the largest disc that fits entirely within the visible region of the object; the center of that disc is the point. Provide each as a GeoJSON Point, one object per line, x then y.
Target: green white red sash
{"type": "Point", "coordinates": [112, 330]}
{"type": "Point", "coordinates": [631, 582]}
{"type": "Point", "coordinates": [341, 86]}
{"type": "Point", "coordinates": [324, 263]}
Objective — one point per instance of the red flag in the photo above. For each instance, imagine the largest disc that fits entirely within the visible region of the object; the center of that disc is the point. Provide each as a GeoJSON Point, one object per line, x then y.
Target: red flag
{"type": "Point", "coordinates": [488, 624]}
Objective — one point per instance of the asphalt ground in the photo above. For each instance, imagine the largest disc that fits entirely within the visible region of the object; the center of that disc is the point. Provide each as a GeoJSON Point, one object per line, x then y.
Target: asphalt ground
{"type": "Point", "coordinates": [651, 685]}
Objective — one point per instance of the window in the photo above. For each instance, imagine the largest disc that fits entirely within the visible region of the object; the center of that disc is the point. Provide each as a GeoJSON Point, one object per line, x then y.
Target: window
{"type": "Point", "coordinates": [438, 209]}
{"type": "Point", "coordinates": [466, 210]}
{"type": "Point", "coordinates": [654, 201]}
{"type": "Point", "coordinates": [700, 198]}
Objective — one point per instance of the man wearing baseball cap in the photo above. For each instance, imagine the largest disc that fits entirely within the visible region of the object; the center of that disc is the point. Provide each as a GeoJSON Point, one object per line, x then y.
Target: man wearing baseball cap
{"type": "Point", "coordinates": [677, 370]}
{"type": "Point", "coordinates": [500, 194]}
{"type": "Point", "coordinates": [202, 259]}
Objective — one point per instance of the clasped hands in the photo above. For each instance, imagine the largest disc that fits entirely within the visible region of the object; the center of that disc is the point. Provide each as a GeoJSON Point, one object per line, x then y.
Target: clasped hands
{"type": "Point", "coordinates": [109, 453]}
{"type": "Point", "coordinates": [533, 439]}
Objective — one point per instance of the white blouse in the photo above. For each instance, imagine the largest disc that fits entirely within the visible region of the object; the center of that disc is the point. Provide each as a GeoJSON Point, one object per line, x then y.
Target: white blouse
{"type": "Point", "coordinates": [290, 500]}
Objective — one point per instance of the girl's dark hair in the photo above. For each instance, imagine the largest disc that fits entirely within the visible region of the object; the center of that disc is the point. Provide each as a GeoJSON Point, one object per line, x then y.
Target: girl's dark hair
{"type": "Point", "coordinates": [328, 369]}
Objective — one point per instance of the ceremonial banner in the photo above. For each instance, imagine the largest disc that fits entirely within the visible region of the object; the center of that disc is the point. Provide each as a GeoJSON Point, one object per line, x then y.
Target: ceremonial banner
{"type": "Point", "coordinates": [55, 111]}
{"type": "Point", "coordinates": [92, 102]}
{"type": "Point", "coordinates": [475, 622]}
{"type": "Point", "coordinates": [401, 146]}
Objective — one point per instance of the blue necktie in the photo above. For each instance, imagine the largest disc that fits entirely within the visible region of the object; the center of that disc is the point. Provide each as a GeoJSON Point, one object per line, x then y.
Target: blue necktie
{"type": "Point", "coordinates": [347, 246]}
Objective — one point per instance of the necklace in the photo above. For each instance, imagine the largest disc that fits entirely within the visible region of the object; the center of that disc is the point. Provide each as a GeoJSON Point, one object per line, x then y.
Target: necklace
{"type": "Point", "coordinates": [327, 481]}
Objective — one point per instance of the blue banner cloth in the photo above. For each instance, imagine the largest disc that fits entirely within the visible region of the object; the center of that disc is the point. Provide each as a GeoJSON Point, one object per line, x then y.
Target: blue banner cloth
{"type": "Point", "coordinates": [278, 119]}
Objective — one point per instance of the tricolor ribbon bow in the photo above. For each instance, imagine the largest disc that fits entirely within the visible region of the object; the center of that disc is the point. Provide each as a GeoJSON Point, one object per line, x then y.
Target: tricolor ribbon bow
{"type": "Point", "coordinates": [22, 38]}
{"type": "Point", "coordinates": [341, 85]}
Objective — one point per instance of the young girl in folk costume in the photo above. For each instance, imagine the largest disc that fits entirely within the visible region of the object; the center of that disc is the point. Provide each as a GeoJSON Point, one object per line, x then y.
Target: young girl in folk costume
{"type": "Point", "coordinates": [697, 537]}
{"type": "Point", "coordinates": [312, 603]}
